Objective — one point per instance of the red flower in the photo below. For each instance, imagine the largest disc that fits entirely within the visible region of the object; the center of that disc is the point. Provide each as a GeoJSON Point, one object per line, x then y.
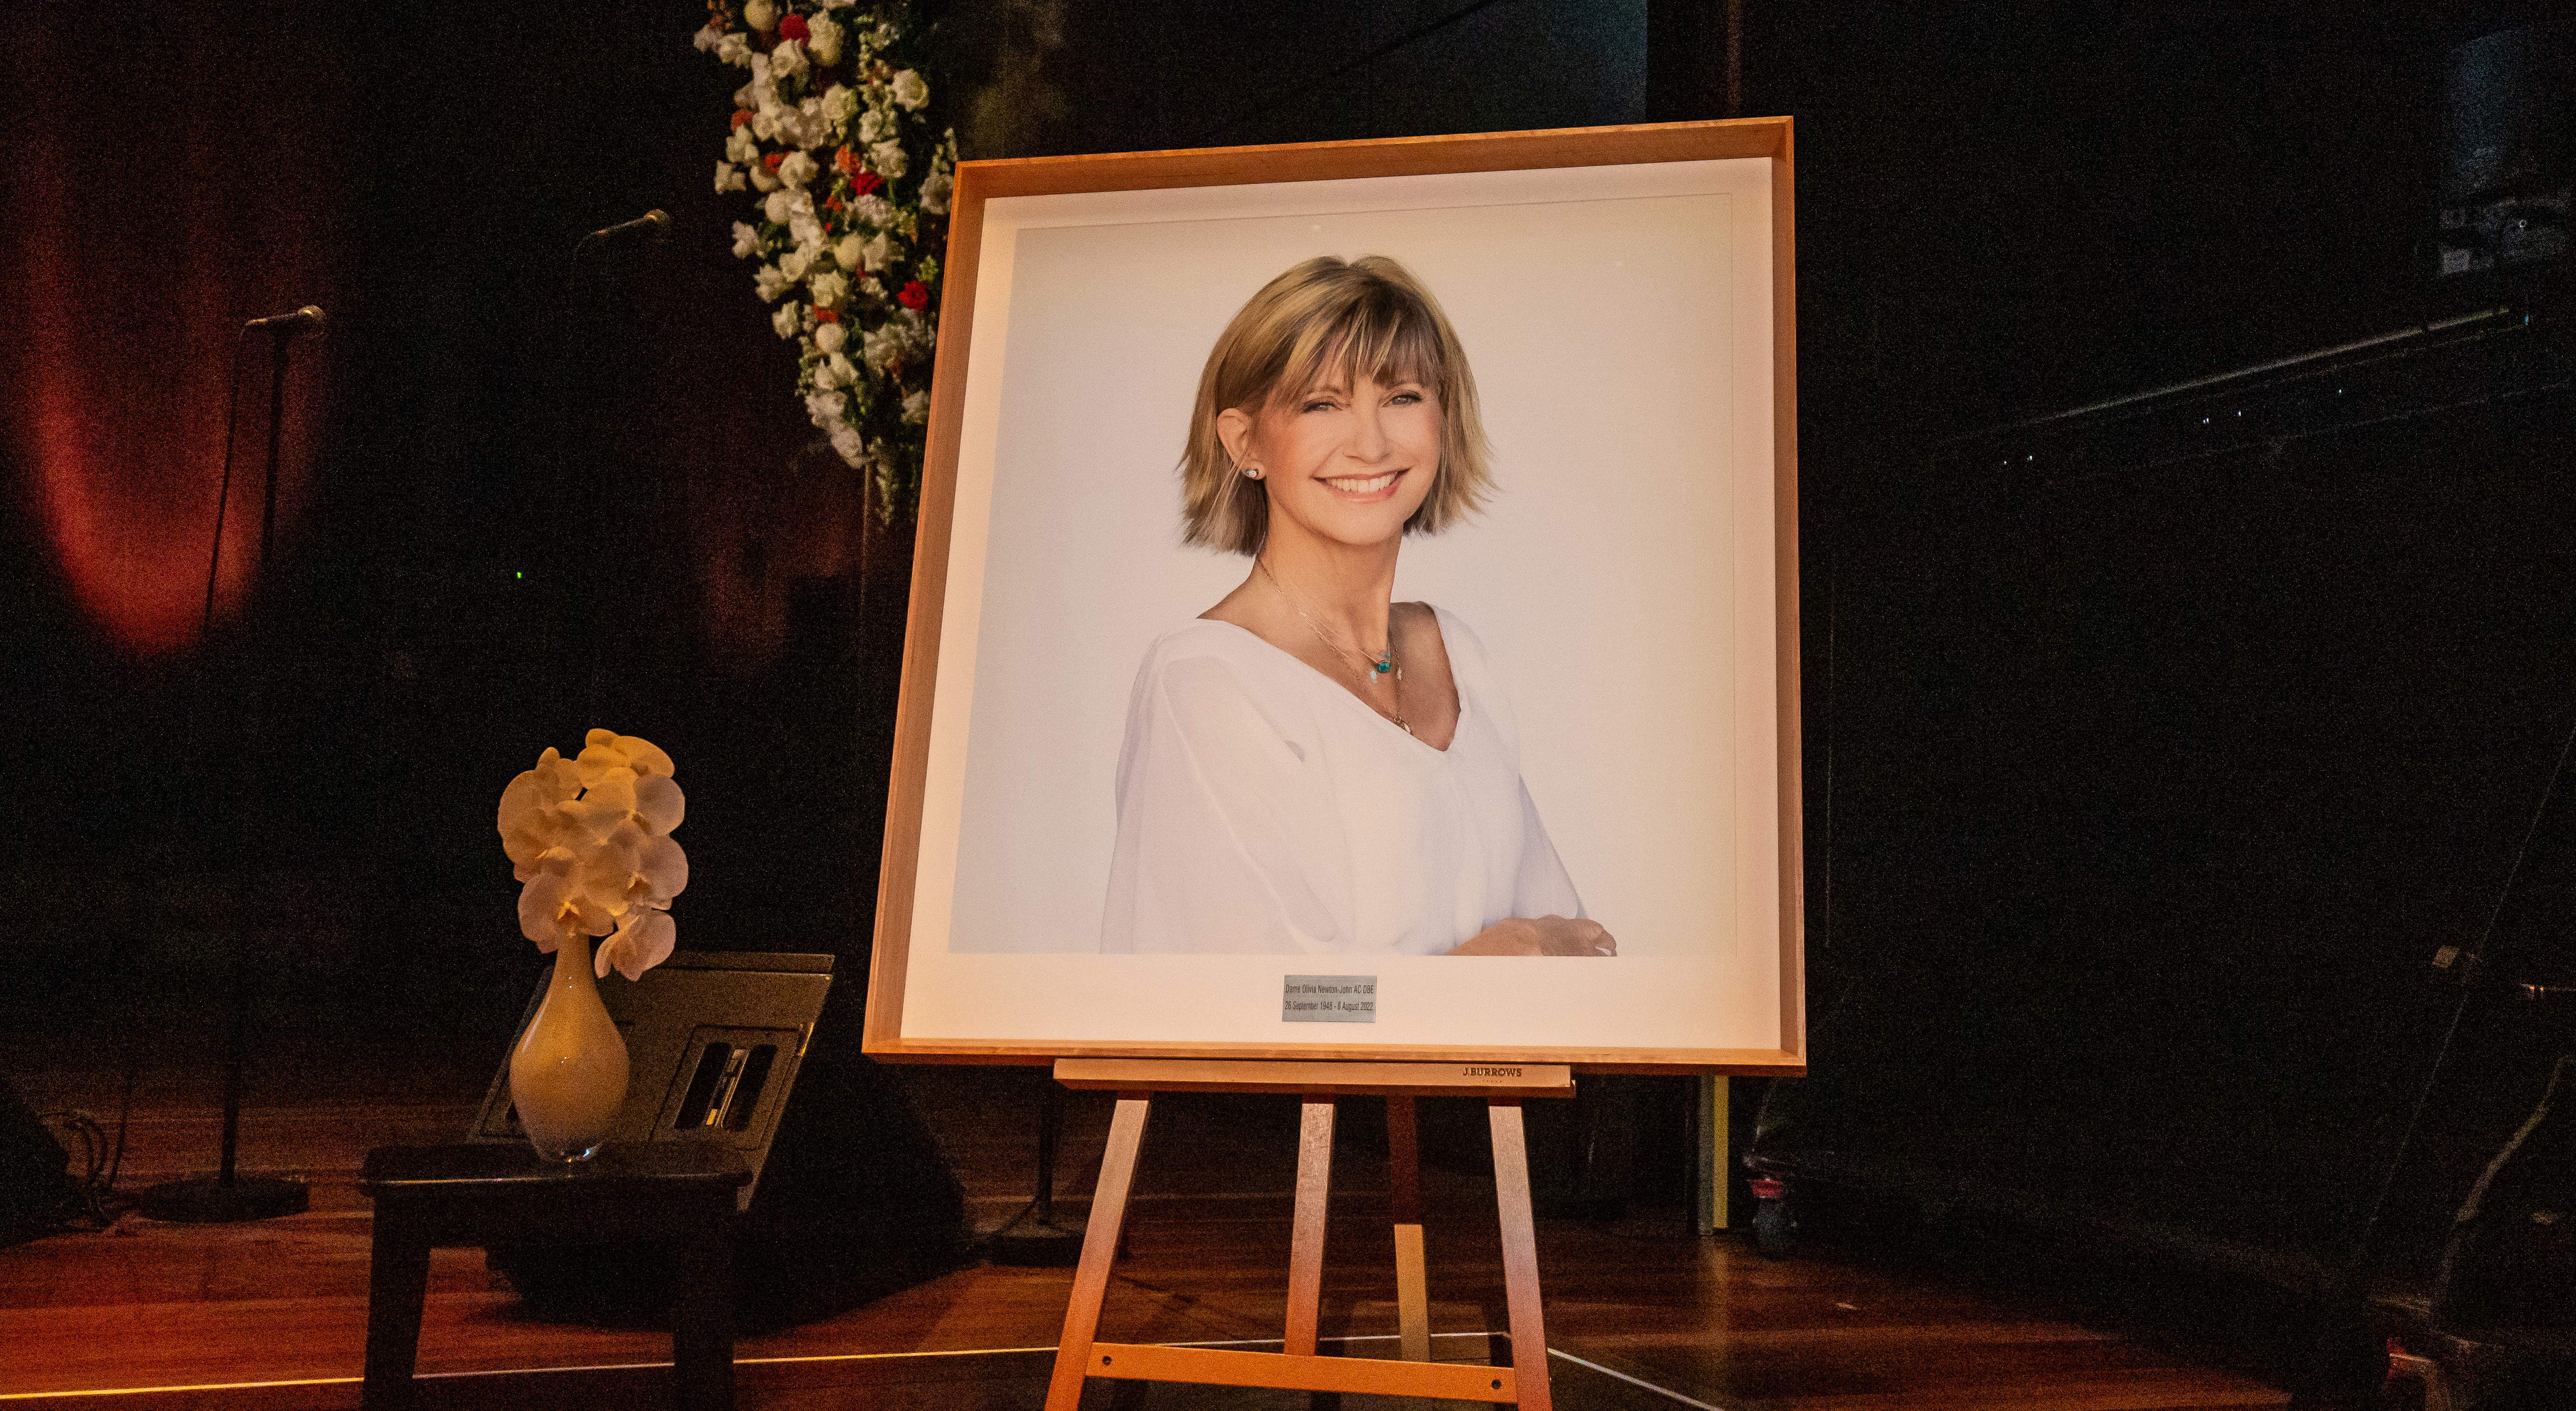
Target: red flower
{"type": "Point", "coordinates": [773, 159]}
{"type": "Point", "coordinates": [866, 182]}
{"type": "Point", "coordinates": [914, 296]}
{"type": "Point", "coordinates": [826, 316]}
{"type": "Point", "coordinates": [847, 161]}
{"type": "Point", "coordinates": [794, 27]}
{"type": "Point", "coordinates": [741, 116]}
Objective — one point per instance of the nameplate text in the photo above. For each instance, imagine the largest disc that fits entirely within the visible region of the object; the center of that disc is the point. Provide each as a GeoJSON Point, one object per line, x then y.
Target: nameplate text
{"type": "Point", "coordinates": [1329, 999]}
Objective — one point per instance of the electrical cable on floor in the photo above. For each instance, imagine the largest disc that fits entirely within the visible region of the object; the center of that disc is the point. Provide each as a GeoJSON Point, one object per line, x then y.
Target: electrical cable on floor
{"type": "Point", "coordinates": [90, 1204]}
{"type": "Point", "coordinates": [124, 1111]}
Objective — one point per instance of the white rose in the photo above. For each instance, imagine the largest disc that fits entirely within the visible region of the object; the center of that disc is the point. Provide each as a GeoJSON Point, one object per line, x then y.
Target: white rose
{"type": "Point", "coordinates": [825, 39]}
{"type": "Point", "coordinates": [806, 229]}
{"type": "Point", "coordinates": [852, 446]}
{"type": "Point", "coordinates": [875, 126]}
{"type": "Point", "coordinates": [824, 407]}
{"type": "Point", "coordinates": [707, 38]}
{"type": "Point", "coordinates": [830, 290]}
{"type": "Point", "coordinates": [916, 408]}
{"type": "Point", "coordinates": [746, 241]}
{"type": "Point", "coordinates": [887, 158]}
{"type": "Point", "coordinates": [876, 254]}
{"type": "Point", "coordinates": [736, 50]}
{"type": "Point", "coordinates": [742, 146]}
{"type": "Point", "coordinates": [787, 60]}
{"type": "Point", "coordinates": [875, 210]}
{"type": "Point", "coordinates": [728, 178]}
{"type": "Point", "coordinates": [935, 192]}
{"type": "Point", "coordinates": [762, 179]}
{"type": "Point", "coordinates": [840, 102]}
{"type": "Point", "coordinates": [760, 15]}
{"type": "Point", "coordinates": [839, 363]}
{"type": "Point", "coordinates": [770, 283]}
{"type": "Point", "coordinates": [880, 346]}
{"type": "Point", "coordinates": [784, 320]}
{"type": "Point", "coordinates": [742, 97]}
{"type": "Point", "coordinates": [824, 378]}
{"type": "Point", "coordinates": [793, 264]}
{"type": "Point", "coordinates": [778, 207]}
{"type": "Point", "coordinates": [849, 252]}
{"type": "Point", "coordinates": [910, 91]}
{"type": "Point", "coordinates": [797, 169]}
{"type": "Point", "coordinates": [830, 336]}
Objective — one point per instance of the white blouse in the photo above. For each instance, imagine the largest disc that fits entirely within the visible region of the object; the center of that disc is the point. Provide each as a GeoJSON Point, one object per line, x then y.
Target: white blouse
{"type": "Point", "coordinates": [1265, 810]}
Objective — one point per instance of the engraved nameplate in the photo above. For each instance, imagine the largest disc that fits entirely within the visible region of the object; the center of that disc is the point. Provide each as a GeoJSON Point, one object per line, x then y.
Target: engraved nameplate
{"type": "Point", "coordinates": [1329, 999]}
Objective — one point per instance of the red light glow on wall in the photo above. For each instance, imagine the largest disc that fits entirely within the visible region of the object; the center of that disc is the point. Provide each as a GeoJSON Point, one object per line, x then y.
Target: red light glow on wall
{"type": "Point", "coordinates": [140, 248]}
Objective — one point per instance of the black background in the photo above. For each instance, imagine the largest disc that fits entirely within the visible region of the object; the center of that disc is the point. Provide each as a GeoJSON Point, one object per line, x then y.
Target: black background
{"type": "Point", "coordinates": [2134, 804]}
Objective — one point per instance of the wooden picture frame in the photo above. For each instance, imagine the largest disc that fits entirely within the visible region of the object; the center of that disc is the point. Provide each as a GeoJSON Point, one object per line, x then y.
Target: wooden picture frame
{"type": "Point", "coordinates": [1728, 998]}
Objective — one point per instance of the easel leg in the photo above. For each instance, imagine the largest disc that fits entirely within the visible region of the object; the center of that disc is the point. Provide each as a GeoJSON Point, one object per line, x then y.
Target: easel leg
{"type": "Point", "coordinates": [1099, 1248]}
{"type": "Point", "coordinates": [1404, 1188]}
{"type": "Point", "coordinates": [1520, 1253]}
{"type": "Point", "coordinates": [1306, 1236]}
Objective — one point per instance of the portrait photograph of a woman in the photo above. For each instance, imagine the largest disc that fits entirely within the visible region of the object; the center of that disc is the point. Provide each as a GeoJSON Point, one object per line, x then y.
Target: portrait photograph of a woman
{"type": "Point", "coordinates": [1310, 767]}
{"type": "Point", "coordinates": [1370, 579]}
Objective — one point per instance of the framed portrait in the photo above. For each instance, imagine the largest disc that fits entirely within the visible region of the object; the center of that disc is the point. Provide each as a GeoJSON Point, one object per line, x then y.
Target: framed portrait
{"type": "Point", "coordinates": [1284, 874]}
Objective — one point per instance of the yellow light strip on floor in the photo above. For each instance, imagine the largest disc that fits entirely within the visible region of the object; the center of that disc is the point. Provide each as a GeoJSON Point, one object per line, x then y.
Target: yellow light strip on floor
{"type": "Point", "coordinates": [201, 1386]}
{"type": "Point", "coordinates": [1632, 1381]}
{"type": "Point", "coordinates": [809, 1357]}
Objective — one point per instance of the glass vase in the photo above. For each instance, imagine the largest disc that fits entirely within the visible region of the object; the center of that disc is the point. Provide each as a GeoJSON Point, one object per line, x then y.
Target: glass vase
{"type": "Point", "coordinates": [568, 1074]}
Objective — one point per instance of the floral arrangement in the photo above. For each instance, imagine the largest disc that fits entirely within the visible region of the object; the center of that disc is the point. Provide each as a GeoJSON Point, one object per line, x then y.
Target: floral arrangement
{"type": "Point", "coordinates": [591, 838]}
{"type": "Point", "coordinates": [853, 190]}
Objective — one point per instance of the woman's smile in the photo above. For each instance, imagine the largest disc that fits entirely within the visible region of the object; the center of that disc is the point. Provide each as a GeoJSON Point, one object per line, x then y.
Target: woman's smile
{"type": "Point", "coordinates": [1368, 489]}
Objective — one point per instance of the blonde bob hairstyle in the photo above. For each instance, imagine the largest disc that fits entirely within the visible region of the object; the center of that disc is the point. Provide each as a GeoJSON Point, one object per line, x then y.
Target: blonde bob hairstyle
{"type": "Point", "coordinates": [1329, 318]}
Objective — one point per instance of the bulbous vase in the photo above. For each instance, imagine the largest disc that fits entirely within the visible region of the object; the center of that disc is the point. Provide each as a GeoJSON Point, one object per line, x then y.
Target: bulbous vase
{"type": "Point", "coordinates": [568, 1074]}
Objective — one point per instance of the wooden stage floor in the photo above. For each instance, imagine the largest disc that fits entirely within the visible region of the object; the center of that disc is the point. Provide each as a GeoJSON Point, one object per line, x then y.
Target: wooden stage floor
{"type": "Point", "coordinates": [149, 1316]}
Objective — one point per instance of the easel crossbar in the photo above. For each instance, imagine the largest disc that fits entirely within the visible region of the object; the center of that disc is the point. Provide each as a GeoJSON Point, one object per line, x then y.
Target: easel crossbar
{"type": "Point", "coordinates": [1381, 1376]}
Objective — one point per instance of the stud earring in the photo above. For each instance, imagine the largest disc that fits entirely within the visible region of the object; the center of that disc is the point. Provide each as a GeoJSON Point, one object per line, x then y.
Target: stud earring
{"type": "Point", "coordinates": [1252, 472]}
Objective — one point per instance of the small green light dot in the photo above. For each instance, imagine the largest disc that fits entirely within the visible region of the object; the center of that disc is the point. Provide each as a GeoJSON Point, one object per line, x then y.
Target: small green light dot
{"type": "Point", "coordinates": [518, 575]}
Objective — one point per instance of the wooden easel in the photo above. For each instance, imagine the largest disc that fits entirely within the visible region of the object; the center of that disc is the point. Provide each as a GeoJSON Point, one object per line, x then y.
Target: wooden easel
{"type": "Point", "coordinates": [1079, 1355]}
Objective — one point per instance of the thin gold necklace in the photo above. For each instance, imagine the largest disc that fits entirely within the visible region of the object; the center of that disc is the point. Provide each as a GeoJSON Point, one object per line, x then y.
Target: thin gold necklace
{"type": "Point", "coordinates": [1374, 670]}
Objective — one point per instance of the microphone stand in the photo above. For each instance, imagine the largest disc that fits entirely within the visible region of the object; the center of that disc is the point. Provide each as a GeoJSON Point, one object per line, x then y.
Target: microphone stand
{"type": "Point", "coordinates": [228, 1196]}
{"type": "Point", "coordinates": [1032, 1238]}
{"type": "Point", "coordinates": [590, 289]}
